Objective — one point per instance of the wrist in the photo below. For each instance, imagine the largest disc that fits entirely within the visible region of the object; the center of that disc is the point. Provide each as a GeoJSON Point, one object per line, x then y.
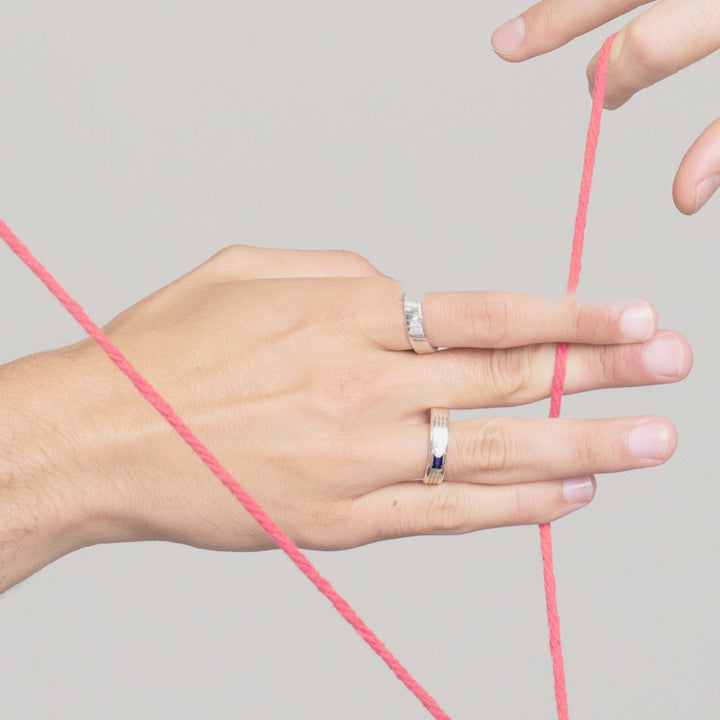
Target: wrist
{"type": "Point", "coordinates": [52, 440]}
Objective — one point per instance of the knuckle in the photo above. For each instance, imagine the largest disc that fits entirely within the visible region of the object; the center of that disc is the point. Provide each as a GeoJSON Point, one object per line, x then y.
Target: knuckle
{"type": "Point", "coordinates": [520, 508]}
{"type": "Point", "coordinates": [588, 322]}
{"type": "Point", "coordinates": [584, 454]}
{"type": "Point", "coordinates": [447, 510]}
{"type": "Point", "coordinates": [489, 321]}
{"type": "Point", "coordinates": [510, 372]}
{"type": "Point", "coordinates": [365, 304]}
{"type": "Point", "coordinates": [231, 253]}
{"type": "Point", "coordinates": [328, 526]}
{"type": "Point", "coordinates": [608, 363]}
{"type": "Point", "coordinates": [489, 448]}
{"type": "Point", "coordinates": [232, 260]}
{"type": "Point", "coordinates": [400, 520]}
{"type": "Point", "coordinates": [645, 49]}
{"type": "Point", "coordinates": [353, 262]}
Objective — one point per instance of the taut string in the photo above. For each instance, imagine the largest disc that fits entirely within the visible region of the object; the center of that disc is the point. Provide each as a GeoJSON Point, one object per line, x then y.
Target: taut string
{"type": "Point", "coordinates": [561, 366]}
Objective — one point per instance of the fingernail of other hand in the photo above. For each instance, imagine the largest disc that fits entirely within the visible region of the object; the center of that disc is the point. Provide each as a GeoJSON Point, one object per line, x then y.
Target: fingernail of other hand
{"type": "Point", "coordinates": [510, 36]}
{"type": "Point", "coordinates": [578, 490]}
{"type": "Point", "coordinates": [705, 189]}
{"type": "Point", "coordinates": [649, 440]}
{"type": "Point", "coordinates": [637, 321]}
{"type": "Point", "coordinates": [665, 356]}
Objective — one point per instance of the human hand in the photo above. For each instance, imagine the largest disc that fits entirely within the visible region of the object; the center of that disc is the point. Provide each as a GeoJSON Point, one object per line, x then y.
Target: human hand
{"type": "Point", "coordinates": [667, 37]}
{"type": "Point", "coordinates": [294, 368]}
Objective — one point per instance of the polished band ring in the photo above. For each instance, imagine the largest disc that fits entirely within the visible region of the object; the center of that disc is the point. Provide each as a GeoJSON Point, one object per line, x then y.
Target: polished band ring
{"type": "Point", "coordinates": [414, 325]}
{"type": "Point", "coordinates": [439, 436]}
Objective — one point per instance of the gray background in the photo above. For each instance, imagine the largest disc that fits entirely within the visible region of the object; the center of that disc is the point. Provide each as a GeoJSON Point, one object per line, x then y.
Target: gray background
{"type": "Point", "coordinates": [137, 138]}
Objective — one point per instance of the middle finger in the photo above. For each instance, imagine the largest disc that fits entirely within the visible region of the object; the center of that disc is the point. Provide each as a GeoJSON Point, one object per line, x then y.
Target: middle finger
{"type": "Point", "coordinates": [666, 38]}
{"type": "Point", "coordinates": [468, 378]}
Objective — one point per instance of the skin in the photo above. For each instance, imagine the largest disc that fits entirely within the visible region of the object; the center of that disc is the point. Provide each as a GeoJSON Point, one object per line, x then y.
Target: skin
{"type": "Point", "coordinates": [666, 37]}
{"type": "Point", "coordinates": [294, 367]}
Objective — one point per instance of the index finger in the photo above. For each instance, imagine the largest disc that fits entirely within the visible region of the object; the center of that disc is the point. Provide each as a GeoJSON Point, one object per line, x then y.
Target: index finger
{"type": "Point", "coordinates": [551, 23]}
{"type": "Point", "coordinates": [668, 37]}
{"type": "Point", "coordinates": [487, 319]}
{"type": "Point", "coordinates": [504, 320]}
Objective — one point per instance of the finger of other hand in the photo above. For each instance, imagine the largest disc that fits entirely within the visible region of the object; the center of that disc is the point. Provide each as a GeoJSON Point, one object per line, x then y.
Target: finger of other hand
{"type": "Point", "coordinates": [663, 40]}
{"type": "Point", "coordinates": [698, 176]}
{"type": "Point", "coordinates": [551, 23]}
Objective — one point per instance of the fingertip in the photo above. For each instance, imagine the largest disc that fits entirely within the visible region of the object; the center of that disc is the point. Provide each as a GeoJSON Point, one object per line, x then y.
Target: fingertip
{"type": "Point", "coordinates": [638, 321]}
{"type": "Point", "coordinates": [704, 190]}
{"type": "Point", "coordinates": [672, 438]}
{"type": "Point", "coordinates": [682, 189]}
{"type": "Point", "coordinates": [698, 176]}
{"type": "Point", "coordinates": [680, 200]}
{"type": "Point", "coordinates": [507, 39]}
{"type": "Point", "coordinates": [687, 356]}
{"type": "Point", "coordinates": [686, 353]}
{"type": "Point", "coordinates": [654, 313]}
{"type": "Point", "coordinates": [578, 492]}
{"type": "Point", "coordinates": [668, 356]}
{"type": "Point", "coordinates": [652, 440]}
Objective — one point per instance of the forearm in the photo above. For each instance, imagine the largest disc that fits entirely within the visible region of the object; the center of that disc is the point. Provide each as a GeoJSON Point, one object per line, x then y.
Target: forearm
{"type": "Point", "coordinates": [51, 433]}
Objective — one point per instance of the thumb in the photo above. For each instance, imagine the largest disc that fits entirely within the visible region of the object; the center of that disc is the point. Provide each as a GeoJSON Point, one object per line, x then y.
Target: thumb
{"type": "Point", "coordinates": [698, 176]}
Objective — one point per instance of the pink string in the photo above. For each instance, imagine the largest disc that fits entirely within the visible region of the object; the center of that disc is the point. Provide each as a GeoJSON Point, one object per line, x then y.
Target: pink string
{"type": "Point", "coordinates": [561, 367]}
{"type": "Point", "coordinates": [266, 523]}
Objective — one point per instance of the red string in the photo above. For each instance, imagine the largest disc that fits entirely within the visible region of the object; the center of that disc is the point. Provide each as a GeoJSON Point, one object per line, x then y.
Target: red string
{"type": "Point", "coordinates": [561, 366]}
{"type": "Point", "coordinates": [265, 522]}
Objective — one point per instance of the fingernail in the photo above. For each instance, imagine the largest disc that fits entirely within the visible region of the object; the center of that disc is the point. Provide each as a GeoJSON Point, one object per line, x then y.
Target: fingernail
{"type": "Point", "coordinates": [649, 440]}
{"type": "Point", "coordinates": [665, 356]}
{"type": "Point", "coordinates": [510, 36]}
{"type": "Point", "coordinates": [705, 189]}
{"type": "Point", "coordinates": [637, 322]}
{"type": "Point", "coordinates": [578, 490]}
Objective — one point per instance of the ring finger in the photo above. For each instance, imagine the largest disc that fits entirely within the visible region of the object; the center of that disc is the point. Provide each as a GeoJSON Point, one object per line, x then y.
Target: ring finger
{"type": "Point", "coordinates": [504, 451]}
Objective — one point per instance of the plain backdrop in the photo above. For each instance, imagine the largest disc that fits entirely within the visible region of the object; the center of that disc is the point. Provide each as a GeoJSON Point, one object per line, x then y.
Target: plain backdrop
{"type": "Point", "coordinates": [138, 138]}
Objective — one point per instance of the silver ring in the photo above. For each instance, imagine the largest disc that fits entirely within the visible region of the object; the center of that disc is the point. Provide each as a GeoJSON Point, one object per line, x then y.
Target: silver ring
{"type": "Point", "coordinates": [439, 436]}
{"type": "Point", "coordinates": [414, 326]}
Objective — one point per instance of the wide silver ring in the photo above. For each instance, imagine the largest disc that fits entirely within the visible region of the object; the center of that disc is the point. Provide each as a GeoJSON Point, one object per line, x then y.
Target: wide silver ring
{"type": "Point", "coordinates": [414, 326]}
{"type": "Point", "coordinates": [437, 452]}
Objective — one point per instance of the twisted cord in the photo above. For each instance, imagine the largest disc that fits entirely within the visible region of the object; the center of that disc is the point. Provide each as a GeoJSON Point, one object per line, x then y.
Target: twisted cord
{"type": "Point", "coordinates": [561, 367]}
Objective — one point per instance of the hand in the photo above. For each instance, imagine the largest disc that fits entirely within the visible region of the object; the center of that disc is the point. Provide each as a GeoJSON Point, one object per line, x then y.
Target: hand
{"type": "Point", "coordinates": [667, 37]}
{"type": "Point", "coordinates": [295, 369]}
